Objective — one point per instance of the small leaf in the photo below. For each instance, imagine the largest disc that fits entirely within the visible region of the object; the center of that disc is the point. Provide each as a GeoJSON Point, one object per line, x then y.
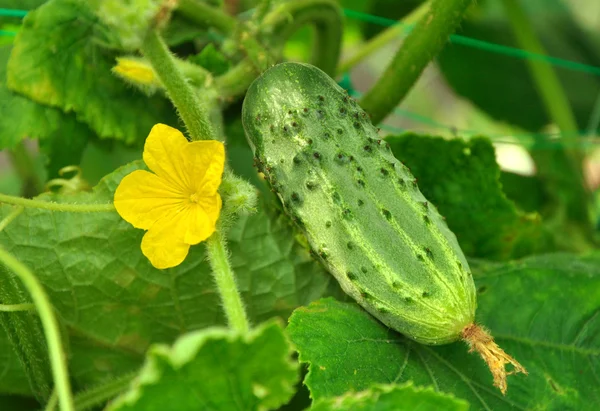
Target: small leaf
{"type": "Point", "coordinates": [216, 369]}
{"type": "Point", "coordinates": [544, 311]}
{"type": "Point", "coordinates": [56, 61]}
{"type": "Point", "coordinates": [393, 397]}
{"type": "Point", "coordinates": [463, 180]}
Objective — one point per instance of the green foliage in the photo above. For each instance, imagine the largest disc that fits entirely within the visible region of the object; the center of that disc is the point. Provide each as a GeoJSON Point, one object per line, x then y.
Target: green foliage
{"type": "Point", "coordinates": [216, 369]}
{"type": "Point", "coordinates": [392, 397]}
{"type": "Point", "coordinates": [501, 85]}
{"type": "Point", "coordinates": [138, 338]}
{"type": "Point", "coordinates": [128, 21]}
{"type": "Point", "coordinates": [463, 180]}
{"type": "Point", "coordinates": [56, 61]}
{"type": "Point", "coordinates": [523, 304]}
{"type": "Point", "coordinates": [211, 59]}
{"type": "Point", "coordinates": [62, 137]}
{"type": "Point", "coordinates": [106, 291]}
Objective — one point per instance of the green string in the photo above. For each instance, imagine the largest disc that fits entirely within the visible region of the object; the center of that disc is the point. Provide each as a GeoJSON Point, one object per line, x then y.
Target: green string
{"type": "Point", "coordinates": [484, 45]}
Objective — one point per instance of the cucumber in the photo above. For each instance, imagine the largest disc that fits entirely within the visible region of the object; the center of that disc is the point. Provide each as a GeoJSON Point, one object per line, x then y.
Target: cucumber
{"type": "Point", "coordinates": [359, 207]}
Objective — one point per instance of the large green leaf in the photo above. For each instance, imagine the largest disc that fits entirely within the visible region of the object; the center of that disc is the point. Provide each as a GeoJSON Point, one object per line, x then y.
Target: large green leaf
{"type": "Point", "coordinates": [502, 85]}
{"type": "Point", "coordinates": [542, 310]}
{"type": "Point", "coordinates": [392, 397]}
{"type": "Point", "coordinates": [463, 180]}
{"type": "Point", "coordinates": [56, 60]}
{"type": "Point", "coordinates": [108, 293]}
{"type": "Point", "coordinates": [216, 369]}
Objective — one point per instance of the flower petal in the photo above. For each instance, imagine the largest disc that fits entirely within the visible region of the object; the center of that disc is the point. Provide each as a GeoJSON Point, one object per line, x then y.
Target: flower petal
{"type": "Point", "coordinates": [204, 162]}
{"type": "Point", "coordinates": [162, 251]}
{"type": "Point", "coordinates": [163, 154]}
{"type": "Point", "coordinates": [163, 243]}
{"type": "Point", "coordinates": [142, 198]}
{"type": "Point", "coordinates": [202, 219]}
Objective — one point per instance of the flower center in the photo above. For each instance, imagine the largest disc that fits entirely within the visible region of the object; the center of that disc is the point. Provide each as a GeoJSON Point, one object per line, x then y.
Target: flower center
{"type": "Point", "coordinates": [194, 198]}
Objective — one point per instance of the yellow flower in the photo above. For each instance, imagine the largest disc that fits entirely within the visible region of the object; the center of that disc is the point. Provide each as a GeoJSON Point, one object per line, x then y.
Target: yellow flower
{"type": "Point", "coordinates": [137, 71]}
{"type": "Point", "coordinates": [178, 204]}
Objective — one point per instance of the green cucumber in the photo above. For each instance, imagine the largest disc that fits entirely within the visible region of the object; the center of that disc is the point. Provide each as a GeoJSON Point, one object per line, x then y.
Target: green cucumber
{"type": "Point", "coordinates": [359, 207]}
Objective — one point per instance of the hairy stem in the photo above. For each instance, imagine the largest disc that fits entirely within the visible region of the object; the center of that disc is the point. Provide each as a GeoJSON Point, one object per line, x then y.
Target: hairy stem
{"type": "Point", "coordinates": [51, 328]}
{"type": "Point", "coordinates": [561, 167]}
{"type": "Point", "coordinates": [324, 15]}
{"type": "Point", "coordinates": [421, 45]}
{"type": "Point", "coordinates": [402, 27]}
{"type": "Point", "coordinates": [48, 205]}
{"type": "Point", "coordinates": [205, 15]}
{"type": "Point", "coordinates": [99, 395]}
{"type": "Point", "coordinates": [25, 334]}
{"type": "Point", "coordinates": [193, 114]}
{"type": "Point", "coordinates": [225, 280]}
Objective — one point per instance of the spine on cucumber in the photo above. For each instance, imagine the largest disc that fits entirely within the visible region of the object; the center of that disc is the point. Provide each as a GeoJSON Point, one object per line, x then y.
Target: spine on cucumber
{"type": "Point", "coordinates": [360, 208]}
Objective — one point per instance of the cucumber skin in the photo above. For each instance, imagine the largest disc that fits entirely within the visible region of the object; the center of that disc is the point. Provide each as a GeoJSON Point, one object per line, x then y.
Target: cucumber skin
{"type": "Point", "coordinates": [359, 207]}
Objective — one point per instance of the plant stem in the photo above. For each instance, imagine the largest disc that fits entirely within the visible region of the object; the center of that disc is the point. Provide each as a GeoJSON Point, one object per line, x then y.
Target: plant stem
{"type": "Point", "coordinates": [100, 394]}
{"type": "Point", "coordinates": [208, 16]}
{"type": "Point", "coordinates": [325, 15]}
{"type": "Point", "coordinates": [561, 167]}
{"type": "Point", "coordinates": [25, 168]}
{"type": "Point", "coordinates": [51, 329]}
{"type": "Point", "coordinates": [548, 84]}
{"type": "Point", "coordinates": [383, 38]}
{"type": "Point", "coordinates": [198, 121]}
{"type": "Point", "coordinates": [193, 114]}
{"type": "Point", "coordinates": [236, 81]}
{"type": "Point", "coordinates": [421, 45]}
{"type": "Point", "coordinates": [52, 402]}
{"type": "Point", "coordinates": [11, 308]}
{"type": "Point", "coordinates": [47, 205]}
{"type": "Point", "coordinates": [225, 280]}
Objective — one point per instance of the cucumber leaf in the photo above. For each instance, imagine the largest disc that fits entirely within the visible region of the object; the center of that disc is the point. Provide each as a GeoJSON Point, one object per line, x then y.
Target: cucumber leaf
{"type": "Point", "coordinates": [216, 369]}
{"type": "Point", "coordinates": [524, 304]}
{"type": "Point", "coordinates": [462, 179]}
{"type": "Point", "coordinates": [392, 397]}
{"type": "Point", "coordinates": [109, 295]}
{"type": "Point", "coordinates": [62, 137]}
{"type": "Point", "coordinates": [57, 61]}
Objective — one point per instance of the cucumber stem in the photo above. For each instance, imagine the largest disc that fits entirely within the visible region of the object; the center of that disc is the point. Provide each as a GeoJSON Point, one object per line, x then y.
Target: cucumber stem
{"type": "Point", "coordinates": [422, 44]}
{"type": "Point", "coordinates": [481, 342]}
